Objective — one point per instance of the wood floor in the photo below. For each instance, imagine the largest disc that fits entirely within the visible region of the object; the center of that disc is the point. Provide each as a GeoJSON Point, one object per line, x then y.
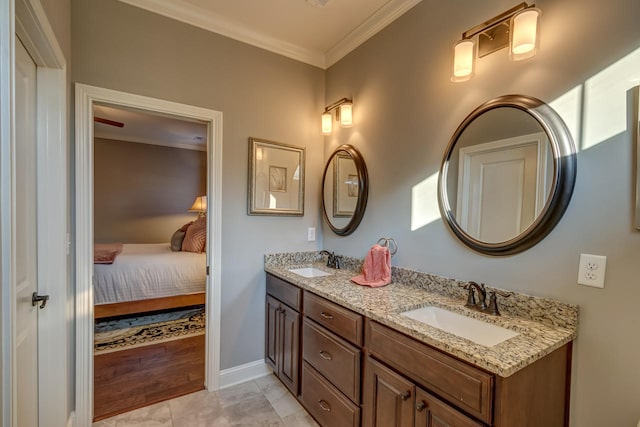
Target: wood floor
{"type": "Point", "coordinates": [130, 379]}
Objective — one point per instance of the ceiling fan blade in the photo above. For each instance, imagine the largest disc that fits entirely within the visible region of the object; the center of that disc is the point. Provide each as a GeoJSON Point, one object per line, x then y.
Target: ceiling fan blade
{"type": "Point", "coordinates": [108, 122]}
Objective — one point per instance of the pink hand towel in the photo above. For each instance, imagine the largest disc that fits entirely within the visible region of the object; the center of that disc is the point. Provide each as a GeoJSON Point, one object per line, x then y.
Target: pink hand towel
{"type": "Point", "coordinates": [376, 268]}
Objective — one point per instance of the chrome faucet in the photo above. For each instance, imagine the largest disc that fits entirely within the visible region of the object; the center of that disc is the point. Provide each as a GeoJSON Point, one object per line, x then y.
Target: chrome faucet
{"type": "Point", "coordinates": [333, 260]}
{"type": "Point", "coordinates": [481, 304]}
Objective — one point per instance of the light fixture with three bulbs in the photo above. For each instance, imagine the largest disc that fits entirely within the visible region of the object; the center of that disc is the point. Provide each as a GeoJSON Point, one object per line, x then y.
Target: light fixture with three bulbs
{"type": "Point", "coordinates": [516, 28]}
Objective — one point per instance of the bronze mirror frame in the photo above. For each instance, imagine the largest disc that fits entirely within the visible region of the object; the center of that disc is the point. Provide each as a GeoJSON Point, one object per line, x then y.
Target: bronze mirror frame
{"type": "Point", "coordinates": [363, 189]}
{"type": "Point", "coordinates": [564, 176]}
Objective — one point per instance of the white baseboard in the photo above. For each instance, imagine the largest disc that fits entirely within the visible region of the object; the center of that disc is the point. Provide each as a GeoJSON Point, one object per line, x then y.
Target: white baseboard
{"type": "Point", "coordinates": [71, 421]}
{"type": "Point", "coordinates": [242, 373]}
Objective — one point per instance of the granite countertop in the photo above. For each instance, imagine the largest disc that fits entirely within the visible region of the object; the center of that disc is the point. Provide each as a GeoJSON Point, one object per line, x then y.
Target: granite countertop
{"type": "Point", "coordinates": [538, 335]}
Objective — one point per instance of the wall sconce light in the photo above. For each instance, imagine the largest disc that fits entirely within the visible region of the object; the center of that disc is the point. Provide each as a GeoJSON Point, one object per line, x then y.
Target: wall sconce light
{"type": "Point", "coordinates": [516, 28]}
{"type": "Point", "coordinates": [199, 206]}
{"type": "Point", "coordinates": [344, 115]}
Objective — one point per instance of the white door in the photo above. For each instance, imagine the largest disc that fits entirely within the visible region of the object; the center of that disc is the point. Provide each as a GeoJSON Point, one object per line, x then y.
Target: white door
{"type": "Point", "coordinates": [502, 186]}
{"type": "Point", "coordinates": [25, 232]}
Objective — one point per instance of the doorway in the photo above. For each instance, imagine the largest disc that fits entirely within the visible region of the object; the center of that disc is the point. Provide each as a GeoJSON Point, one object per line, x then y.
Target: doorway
{"type": "Point", "coordinates": [86, 98]}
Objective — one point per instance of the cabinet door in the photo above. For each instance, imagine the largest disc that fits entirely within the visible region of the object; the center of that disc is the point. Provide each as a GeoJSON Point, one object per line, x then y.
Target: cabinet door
{"type": "Point", "coordinates": [289, 332]}
{"type": "Point", "coordinates": [388, 397]}
{"type": "Point", "coordinates": [271, 333]}
{"type": "Point", "coordinates": [431, 412]}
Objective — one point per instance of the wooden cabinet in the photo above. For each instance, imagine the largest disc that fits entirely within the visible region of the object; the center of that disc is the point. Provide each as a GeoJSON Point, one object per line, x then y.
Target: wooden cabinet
{"type": "Point", "coordinates": [332, 356]}
{"type": "Point", "coordinates": [389, 399]}
{"type": "Point", "coordinates": [393, 400]}
{"type": "Point", "coordinates": [450, 392]}
{"type": "Point", "coordinates": [318, 355]}
{"type": "Point", "coordinates": [282, 335]}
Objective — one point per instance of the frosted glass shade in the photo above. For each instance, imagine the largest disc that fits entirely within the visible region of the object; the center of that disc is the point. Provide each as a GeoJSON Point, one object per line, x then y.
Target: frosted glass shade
{"type": "Point", "coordinates": [326, 123]}
{"type": "Point", "coordinates": [523, 42]}
{"type": "Point", "coordinates": [464, 60]}
{"type": "Point", "coordinates": [346, 114]}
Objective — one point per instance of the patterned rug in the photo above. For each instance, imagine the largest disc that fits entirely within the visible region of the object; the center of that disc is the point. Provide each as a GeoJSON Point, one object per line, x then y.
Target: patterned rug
{"type": "Point", "coordinates": [131, 332]}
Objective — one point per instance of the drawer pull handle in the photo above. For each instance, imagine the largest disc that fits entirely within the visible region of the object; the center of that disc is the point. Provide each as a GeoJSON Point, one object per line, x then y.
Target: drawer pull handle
{"type": "Point", "coordinates": [326, 315]}
{"type": "Point", "coordinates": [324, 405]}
{"type": "Point", "coordinates": [405, 395]}
{"type": "Point", "coordinates": [421, 406]}
{"type": "Point", "coordinates": [326, 355]}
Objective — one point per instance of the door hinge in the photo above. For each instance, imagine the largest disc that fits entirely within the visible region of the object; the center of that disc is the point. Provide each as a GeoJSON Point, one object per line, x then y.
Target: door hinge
{"type": "Point", "coordinates": [207, 270]}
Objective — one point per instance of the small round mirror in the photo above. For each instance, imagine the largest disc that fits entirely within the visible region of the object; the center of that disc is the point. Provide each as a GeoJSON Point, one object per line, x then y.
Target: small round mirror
{"type": "Point", "coordinates": [345, 190]}
{"type": "Point", "coordinates": [508, 175]}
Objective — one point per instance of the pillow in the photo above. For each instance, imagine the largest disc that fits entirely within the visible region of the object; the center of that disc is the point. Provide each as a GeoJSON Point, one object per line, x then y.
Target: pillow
{"type": "Point", "coordinates": [195, 238]}
{"type": "Point", "coordinates": [178, 237]}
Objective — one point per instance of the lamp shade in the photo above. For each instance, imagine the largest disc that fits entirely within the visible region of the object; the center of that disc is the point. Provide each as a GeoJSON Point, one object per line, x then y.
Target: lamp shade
{"type": "Point", "coordinates": [464, 57]}
{"type": "Point", "coordinates": [326, 123]}
{"type": "Point", "coordinates": [346, 114]}
{"type": "Point", "coordinates": [199, 205]}
{"type": "Point", "coordinates": [523, 41]}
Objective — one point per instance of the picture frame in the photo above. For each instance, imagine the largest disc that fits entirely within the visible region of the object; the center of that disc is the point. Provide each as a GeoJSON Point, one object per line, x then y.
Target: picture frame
{"type": "Point", "coordinates": [345, 186]}
{"type": "Point", "coordinates": [276, 178]}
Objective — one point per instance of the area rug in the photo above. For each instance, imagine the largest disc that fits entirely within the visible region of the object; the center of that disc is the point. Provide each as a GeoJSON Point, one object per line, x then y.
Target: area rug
{"type": "Point", "coordinates": [132, 332]}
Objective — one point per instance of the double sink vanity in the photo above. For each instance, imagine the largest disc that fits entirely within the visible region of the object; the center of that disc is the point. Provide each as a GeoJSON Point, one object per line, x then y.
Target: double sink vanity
{"type": "Point", "coordinates": [426, 350]}
{"type": "Point", "coordinates": [411, 353]}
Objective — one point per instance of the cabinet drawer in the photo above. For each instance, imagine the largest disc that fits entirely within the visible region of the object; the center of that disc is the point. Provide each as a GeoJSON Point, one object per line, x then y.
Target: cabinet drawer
{"type": "Point", "coordinates": [337, 319]}
{"type": "Point", "coordinates": [333, 357]}
{"type": "Point", "coordinates": [284, 291]}
{"type": "Point", "coordinates": [461, 384]}
{"type": "Point", "coordinates": [325, 403]}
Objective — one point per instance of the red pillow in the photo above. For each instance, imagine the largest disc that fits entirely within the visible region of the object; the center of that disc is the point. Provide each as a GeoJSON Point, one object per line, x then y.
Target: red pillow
{"type": "Point", "coordinates": [195, 239]}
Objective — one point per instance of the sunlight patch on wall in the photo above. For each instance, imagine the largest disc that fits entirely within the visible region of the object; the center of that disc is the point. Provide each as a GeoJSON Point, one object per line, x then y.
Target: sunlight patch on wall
{"type": "Point", "coordinates": [605, 100]}
{"type": "Point", "coordinates": [569, 107]}
{"type": "Point", "coordinates": [424, 202]}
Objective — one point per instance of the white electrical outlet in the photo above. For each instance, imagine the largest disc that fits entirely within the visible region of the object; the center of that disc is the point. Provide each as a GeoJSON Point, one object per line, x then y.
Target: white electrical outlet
{"type": "Point", "coordinates": [591, 270]}
{"type": "Point", "coordinates": [311, 234]}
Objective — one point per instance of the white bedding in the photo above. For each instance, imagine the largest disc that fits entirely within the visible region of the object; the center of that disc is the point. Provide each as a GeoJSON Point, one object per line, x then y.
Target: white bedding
{"type": "Point", "coordinates": [149, 270]}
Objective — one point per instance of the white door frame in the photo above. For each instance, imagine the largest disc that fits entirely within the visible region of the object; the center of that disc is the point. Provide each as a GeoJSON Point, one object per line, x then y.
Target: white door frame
{"type": "Point", "coordinates": [28, 19]}
{"type": "Point", "coordinates": [86, 96]}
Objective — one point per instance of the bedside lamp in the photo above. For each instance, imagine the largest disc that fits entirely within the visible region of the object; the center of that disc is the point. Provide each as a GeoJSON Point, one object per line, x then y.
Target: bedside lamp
{"type": "Point", "coordinates": [199, 206]}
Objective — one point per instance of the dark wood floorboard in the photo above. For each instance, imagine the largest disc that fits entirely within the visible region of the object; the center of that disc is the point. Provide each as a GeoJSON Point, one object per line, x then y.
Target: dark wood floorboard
{"type": "Point", "coordinates": [130, 379]}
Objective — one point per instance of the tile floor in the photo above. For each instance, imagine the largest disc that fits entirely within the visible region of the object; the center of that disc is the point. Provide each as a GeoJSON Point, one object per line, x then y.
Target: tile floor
{"type": "Point", "coordinates": [260, 402]}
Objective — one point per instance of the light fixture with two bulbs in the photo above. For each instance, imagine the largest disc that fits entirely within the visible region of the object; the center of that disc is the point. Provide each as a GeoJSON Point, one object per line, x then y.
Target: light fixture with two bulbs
{"type": "Point", "coordinates": [516, 28]}
{"type": "Point", "coordinates": [344, 115]}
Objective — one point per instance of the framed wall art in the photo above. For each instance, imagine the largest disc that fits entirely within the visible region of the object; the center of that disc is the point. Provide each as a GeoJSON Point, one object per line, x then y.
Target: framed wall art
{"type": "Point", "coordinates": [276, 178]}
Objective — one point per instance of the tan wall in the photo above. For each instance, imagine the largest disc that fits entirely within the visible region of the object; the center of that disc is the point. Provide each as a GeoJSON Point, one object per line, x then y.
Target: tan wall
{"type": "Point", "coordinates": [142, 192]}
{"type": "Point", "coordinates": [405, 111]}
{"type": "Point", "coordinates": [121, 47]}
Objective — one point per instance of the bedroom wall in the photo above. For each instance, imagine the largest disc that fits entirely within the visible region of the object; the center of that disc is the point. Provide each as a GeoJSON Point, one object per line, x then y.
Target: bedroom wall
{"type": "Point", "coordinates": [121, 47]}
{"type": "Point", "coordinates": [142, 192]}
{"type": "Point", "coordinates": [405, 111]}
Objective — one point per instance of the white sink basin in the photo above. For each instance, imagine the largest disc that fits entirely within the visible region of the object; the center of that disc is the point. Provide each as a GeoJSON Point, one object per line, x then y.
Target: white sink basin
{"type": "Point", "coordinates": [475, 330]}
{"type": "Point", "coordinates": [309, 272]}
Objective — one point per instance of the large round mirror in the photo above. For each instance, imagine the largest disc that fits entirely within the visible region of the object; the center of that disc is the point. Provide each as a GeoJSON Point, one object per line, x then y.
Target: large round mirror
{"type": "Point", "coordinates": [344, 190]}
{"type": "Point", "coordinates": [507, 175]}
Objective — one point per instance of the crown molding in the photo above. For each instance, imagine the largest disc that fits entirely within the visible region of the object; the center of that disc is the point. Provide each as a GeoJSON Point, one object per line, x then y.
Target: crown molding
{"type": "Point", "coordinates": [374, 24]}
{"type": "Point", "coordinates": [218, 24]}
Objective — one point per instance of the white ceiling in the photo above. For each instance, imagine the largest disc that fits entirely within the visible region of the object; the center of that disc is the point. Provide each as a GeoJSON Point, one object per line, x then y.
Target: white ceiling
{"type": "Point", "coordinates": [146, 128]}
{"type": "Point", "coordinates": [298, 29]}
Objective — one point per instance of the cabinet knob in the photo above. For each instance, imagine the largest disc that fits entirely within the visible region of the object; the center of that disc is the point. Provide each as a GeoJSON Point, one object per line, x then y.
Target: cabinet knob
{"type": "Point", "coordinates": [324, 405]}
{"type": "Point", "coordinates": [326, 315]}
{"type": "Point", "coordinates": [326, 355]}
{"type": "Point", "coordinates": [420, 406]}
{"type": "Point", "coordinates": [405, 395]}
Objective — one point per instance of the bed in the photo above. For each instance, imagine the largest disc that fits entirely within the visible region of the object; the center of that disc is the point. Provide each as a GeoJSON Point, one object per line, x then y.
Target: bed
{"type": "Point", "coordinates": [148, 277]}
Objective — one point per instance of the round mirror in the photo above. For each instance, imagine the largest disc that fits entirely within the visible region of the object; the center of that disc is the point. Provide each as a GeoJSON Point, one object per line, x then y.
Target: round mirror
{"type": "Point", "coordinates": [507, 175]}
{"type": "Point", "coordinates": [344, 190]}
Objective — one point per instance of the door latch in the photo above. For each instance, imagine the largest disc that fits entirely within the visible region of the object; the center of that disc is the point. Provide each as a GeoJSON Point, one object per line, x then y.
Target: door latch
{"type": "Point", "coordinates": [39, 299]}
